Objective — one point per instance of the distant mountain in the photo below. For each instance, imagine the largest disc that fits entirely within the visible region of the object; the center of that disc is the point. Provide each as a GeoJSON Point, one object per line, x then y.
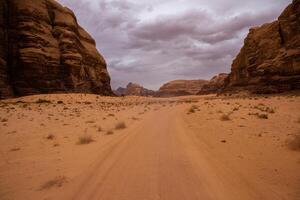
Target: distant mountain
{"type": "Point", "coordinates": [134, 89]}
{"type": "Point", "coordinates": [180, 88]}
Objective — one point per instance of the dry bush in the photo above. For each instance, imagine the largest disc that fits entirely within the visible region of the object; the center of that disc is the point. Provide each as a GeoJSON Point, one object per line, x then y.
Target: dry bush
{"type": "Point", "coordinates": [50, 137]}
{"type": "Point", "coordinates": [262, 116]}
{"type": "Point", "coordinates": [99, 129]}
{"type": "Point", "coordinates": [294, 143]}
{"type": "Point", "coordinates": [4, 120]}
{"type": "Point", "coordinates": [110, 132]}
{"type": "Point", "coordinates": [191, 110]}
{"type": "Point", "coordinates": [225, 117]}
{"type": "Point", "coordinates": [42, 101]}
{"type": "Point", "coordinates": [85, 139]}
{"type": "Point", "coordinates": [56, 182]}
{"type": "Point", "coordinates": [120, 125]}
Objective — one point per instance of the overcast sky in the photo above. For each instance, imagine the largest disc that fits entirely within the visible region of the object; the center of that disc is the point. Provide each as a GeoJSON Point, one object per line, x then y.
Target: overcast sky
{"type": "Point", "coordinates": [154, 41]}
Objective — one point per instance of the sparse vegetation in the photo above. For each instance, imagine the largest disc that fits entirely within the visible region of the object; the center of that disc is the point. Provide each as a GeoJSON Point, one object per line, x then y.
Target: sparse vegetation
{"type": "Point", "coordinates": [294, 143]}
{"type": "Point", "coordinates": [50, 137]}
{"type": "Point", "coordinates": [15, 149]}
{"type": "Point", "coordinates": [120, 125]}
{"type": "Point", "coordinates": [99, 129]}
{"type": "Point", "coordinates": [4, 120]}
{"type": "Point", "coordinates": [42, 101]}
{"type": "Point", "coordinates": [193, 109]}
{"type": "Point", "coordinates": [85, 139]}
{"type": "Point", "coordinates": [110, 132]}
{"type": "Point", "coordinates": [225, 117]}
{"type": "Point", "coordinates": [56, 182]}
{"type": "Point", "coordinates": [262, 116]}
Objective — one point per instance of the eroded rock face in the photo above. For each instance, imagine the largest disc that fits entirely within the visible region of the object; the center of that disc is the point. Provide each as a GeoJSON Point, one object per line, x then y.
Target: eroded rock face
{"type": "Point", "coordinates": [134, 89]}
{"type": "Point", "coordinates": [181, 88]}
{"type": "Point", "coordinates": [44, 50]}
{"type": "Point", "coordinates": [215, 85]}
{"type": "Point", "coordinates": [270, 58]}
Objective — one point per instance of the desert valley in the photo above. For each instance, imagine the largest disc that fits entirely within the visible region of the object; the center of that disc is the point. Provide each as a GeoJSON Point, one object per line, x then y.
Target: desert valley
{"type": "Point", "coordinates": [66, 134]}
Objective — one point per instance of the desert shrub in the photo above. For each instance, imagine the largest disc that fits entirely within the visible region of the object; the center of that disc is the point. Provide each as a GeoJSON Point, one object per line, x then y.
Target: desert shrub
{"type": "Point", "coordinates": [50, 137]}
{"type": "Point", "coordinates": [42, 101]}
{"type": "Point", "coordinates": [56, 182]}
{"type": "Point", "coordinates": [262, 116]}
{"type": "Point", "coordinates": [110, 132]}
{"type": "Point", "coordinates": [225, 117]}
{"type": "Point", "coordinates": [294, 143]}
{"type": "Point", "coordinates": [120, 125]}
{"type": "Point", "coordinates": [85, 139]}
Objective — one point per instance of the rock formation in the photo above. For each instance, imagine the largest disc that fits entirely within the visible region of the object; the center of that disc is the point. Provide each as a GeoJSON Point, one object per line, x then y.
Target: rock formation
{"type": "Point", "coordinates": [215, 85]}
{"type": "Point", "coordinates": [133, 89]}
{"type": "Point", "coordinates": [269, 61]}
{"type": "Point", "coordinates": [181, 88]}
{"type": "Point", "coordinates": [44, 50]}
{"type": "Point", "coordinates": [120, 91]}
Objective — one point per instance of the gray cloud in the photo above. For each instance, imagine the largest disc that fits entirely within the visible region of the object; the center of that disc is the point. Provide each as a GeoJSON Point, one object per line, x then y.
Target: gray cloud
{"type": "Point", "coordinates": [151, 42]}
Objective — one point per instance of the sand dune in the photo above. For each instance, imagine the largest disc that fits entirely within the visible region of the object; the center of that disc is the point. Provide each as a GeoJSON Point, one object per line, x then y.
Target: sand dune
{"type": "Point", "coordinates": [74, 146]}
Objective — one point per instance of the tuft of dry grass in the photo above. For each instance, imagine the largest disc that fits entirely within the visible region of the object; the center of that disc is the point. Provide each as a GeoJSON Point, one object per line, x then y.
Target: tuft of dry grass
{"type": "Point", "coordinates": [110, 132]}
{"type": "Point", "coordinates": [193, 109]}
{"type": "Point", "coordinates": [225, 117]}
{"type": "Point", "coordinates": [85, 139]}
{"type": "Point", "coordinates": [120, 125]}
{"type": "Point", "coordinates": [50, 137]}
{"type": "Point", "coordinates": [294, 143]}
{"type": "Point", "coordinates": [262, 116]}
{"type": "Point", "coordinates": [56, 182]}
{"type": "Point", "coordinates": [42, 101]}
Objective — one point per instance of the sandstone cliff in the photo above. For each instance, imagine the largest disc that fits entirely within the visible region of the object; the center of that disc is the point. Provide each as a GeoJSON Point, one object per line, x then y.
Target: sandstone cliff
{"type": "Point", "coordinates": [215, 85]}
{"type": "Point", "coordinates": [181, 88]}
{"type": "Point", "coordinates": [44, 50]}
{"type": "Point", "coordinates": [134, 89]}
{"type": "Point", "coordinates": [270, 58]}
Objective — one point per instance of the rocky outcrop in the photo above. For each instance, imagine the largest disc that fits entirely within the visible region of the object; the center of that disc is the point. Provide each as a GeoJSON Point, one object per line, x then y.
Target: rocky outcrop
{"type": "Point", "coordinates": [134, 89]}
{"type": "Point", "coordinates": [215, 85]}
{"type": "Point", "coordinates": [181, 88]}
{"type": "Point", "coordinates": [269, 61]}
{"type": "Point", "coordinates": [44, 50]}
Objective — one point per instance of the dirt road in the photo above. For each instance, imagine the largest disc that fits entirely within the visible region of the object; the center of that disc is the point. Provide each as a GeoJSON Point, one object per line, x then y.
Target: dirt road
{"type": "Point", "coordinates": [160, 158]}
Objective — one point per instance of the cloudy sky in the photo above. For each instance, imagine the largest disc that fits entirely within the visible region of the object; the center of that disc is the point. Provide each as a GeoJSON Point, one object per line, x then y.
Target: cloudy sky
{"type": "Point", "coordinates": [153, 41]}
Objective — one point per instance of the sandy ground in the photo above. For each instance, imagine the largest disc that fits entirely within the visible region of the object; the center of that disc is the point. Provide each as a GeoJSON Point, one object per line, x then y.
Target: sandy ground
{"type": "Point", "coordinates": [189, 148]}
